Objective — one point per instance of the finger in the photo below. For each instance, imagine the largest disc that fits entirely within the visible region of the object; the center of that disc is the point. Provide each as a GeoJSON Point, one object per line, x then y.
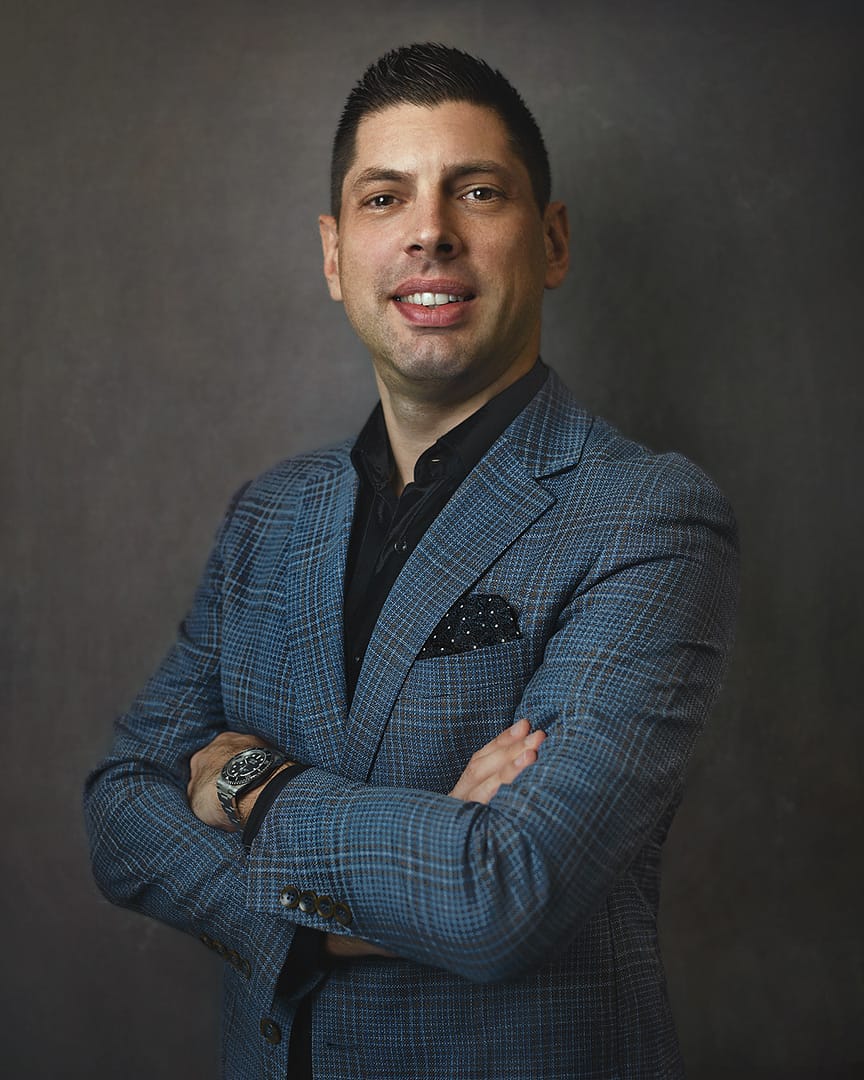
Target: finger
{"type": "Point", "coordinates": [481, 788]}
{"type": "Point", "coordinates": [503, 756]}
{"type": "Point", "coordinates": [494, 763]}
{"type": "Point", "coordinates": [488, 788]}
{"type": "Point", "coordinates": [500, 758]}
{"type": "Point", "coordinates": [505, 738]}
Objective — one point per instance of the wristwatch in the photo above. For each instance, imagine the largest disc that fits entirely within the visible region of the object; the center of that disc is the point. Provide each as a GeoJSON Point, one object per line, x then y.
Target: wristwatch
{"type": "Point", "coordinates": [243, 772]}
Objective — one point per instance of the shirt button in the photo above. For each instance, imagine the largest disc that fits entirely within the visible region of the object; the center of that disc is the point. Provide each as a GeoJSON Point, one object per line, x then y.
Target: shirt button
{"type": "Point", "coordinates": [271, 1031]}
{"type": "Point", "coordinates": [401, 545]}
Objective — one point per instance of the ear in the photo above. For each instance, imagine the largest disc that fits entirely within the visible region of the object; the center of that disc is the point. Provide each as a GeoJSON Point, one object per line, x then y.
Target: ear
{"type": "Point", "coordinates": [556, 228]}
{"type": "Point", "coordinates": [329, 230]}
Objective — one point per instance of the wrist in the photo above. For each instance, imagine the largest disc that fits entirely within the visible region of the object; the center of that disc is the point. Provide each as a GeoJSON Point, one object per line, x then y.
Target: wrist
{"type": "Point", "coordinates": [244, 774]}
{"type": "Point", "coordinates": [246, 801]}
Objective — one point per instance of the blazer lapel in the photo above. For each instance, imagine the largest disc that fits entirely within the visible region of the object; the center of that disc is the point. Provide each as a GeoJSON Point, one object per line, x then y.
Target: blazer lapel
{"type": "Point", "coordinates": [314, 591]}
{"type": "Point", "coordinates": [485, 515]}
{"type": "Point", "coordinates": [499, 500]}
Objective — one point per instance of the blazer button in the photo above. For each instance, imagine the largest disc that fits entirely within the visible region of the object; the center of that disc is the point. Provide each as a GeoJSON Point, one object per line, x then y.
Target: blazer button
{"type": "Point", "coordinates": [342, 913]}
{"type": "Point", "coordinates": [205, 939]}
{"type": "Point", "coordinates": [233, 958]}
{"type": "Point", "coordinates": [307, 902]}
{"type": "Point", "coordinates": [289, 897]}
{"type": "Point", "coordinates": [271, 1031]}
{"type": "Point", "coordinates": [324, 906]}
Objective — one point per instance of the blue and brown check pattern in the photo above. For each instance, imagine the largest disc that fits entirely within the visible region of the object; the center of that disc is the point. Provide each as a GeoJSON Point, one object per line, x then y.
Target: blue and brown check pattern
{"type": "Point", "coordinates": [528, 926]}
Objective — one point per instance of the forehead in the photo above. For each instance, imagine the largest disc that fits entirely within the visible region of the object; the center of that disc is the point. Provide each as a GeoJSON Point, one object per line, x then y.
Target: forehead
{"type": "Point", "coordinates": [413, 137]}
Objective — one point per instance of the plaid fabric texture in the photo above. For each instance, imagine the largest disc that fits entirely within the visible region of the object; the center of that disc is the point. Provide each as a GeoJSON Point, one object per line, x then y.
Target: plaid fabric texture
{"type": "Point", "coordinates": [527, 927]}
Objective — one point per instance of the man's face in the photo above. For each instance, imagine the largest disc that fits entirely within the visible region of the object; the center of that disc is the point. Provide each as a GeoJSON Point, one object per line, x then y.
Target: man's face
{"type": "Point", "coordinates": [440, 254]}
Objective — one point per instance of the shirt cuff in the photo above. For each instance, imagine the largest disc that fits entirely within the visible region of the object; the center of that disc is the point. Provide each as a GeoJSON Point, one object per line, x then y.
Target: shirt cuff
{"type": "Point", "coordinates": [269, 794]}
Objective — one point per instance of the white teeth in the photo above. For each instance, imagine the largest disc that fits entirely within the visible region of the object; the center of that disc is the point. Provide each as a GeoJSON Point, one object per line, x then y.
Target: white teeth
{"type": "Point", "coordinates": [428, 299]}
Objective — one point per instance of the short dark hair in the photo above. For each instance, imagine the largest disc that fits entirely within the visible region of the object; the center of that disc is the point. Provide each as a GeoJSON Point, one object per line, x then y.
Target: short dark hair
{"type": "Point", "coordinates": [431, 74]}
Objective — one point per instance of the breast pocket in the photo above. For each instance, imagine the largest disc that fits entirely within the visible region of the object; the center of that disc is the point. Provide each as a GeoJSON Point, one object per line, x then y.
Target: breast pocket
{"type": "Point", "coordinates": [449, 707]}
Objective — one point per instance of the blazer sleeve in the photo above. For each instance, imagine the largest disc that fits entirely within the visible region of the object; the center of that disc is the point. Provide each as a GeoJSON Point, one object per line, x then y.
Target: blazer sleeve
{"type": "Point", "coordinates": [149, 851]}
{"type": "Point", "coordinates": [624, 687]}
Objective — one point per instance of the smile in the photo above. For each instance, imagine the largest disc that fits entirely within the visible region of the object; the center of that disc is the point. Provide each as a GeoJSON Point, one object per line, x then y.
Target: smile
{"type": "Point", "coordinates": [429, 299]}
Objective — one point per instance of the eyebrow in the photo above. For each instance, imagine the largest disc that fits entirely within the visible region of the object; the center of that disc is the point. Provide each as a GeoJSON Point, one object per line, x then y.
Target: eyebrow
{"type": "Point", "coordinates": [376, 174]}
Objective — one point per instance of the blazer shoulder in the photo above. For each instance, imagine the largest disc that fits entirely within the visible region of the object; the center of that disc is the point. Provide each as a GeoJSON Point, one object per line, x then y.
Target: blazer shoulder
{"type": "Point", "coordinates": [606, 447]}
{"type": "Point", "coordinates": [293, 472]}
{"type": "Point", "coordinates": [560, 436]}
{"type": "Point", "coordinates": [272, 498]}
{"type": "Point", "coordinates": [647, 483]}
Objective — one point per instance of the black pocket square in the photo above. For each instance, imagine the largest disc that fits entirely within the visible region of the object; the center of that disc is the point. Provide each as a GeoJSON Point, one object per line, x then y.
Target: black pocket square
{"type": "Point", "coordinates": [473, 622]}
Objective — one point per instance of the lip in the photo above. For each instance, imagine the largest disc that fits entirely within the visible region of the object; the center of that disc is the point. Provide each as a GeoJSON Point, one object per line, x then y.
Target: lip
{"type": "Point", "coordinates": [433, 317]}
{"type": "Point", "coordinates": [446, 315]}
{"type": "Point", "coordinates": [451, 286]}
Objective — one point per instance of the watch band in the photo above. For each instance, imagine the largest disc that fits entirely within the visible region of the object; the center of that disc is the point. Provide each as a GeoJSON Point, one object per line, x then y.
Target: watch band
{"type": "Point", "coordinates": [229, 805]}
{"type": "Point", "coordinates": [244, 772]}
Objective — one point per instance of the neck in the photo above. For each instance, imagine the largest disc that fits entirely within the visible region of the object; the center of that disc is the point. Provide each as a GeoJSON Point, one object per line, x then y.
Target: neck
{"type": "Point", "coordinates": [413, 425]}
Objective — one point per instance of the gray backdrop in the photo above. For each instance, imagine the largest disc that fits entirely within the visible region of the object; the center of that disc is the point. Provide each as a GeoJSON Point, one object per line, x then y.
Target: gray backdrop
{"type": "Point", "coordinates": [167, 334]}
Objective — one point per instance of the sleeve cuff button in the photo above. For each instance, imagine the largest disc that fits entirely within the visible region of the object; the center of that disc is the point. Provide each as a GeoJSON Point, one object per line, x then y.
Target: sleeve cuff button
{"type": "Point", "coordinates": [290, 897]}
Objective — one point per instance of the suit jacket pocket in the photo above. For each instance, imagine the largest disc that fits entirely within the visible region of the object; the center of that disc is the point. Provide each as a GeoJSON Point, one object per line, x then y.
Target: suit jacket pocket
{"type": "Point", "coordinates": [476, 621]}
{"type": "Point", "coordinates": [449, 707]}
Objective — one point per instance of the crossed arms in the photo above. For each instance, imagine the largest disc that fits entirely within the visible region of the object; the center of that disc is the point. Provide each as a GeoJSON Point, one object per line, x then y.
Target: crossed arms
{"type": "Point", "coordinates": [489, 883]}
{"type": "Point", "coordinates": [498, 762]}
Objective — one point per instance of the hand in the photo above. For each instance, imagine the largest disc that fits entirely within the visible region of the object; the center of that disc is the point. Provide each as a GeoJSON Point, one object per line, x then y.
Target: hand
{"type": "Point", "coordinates": [498, 762]}
{"type": "Point", "coordinates": [348, 948]}
{"type": "Point", "coordinates": [205, 766]}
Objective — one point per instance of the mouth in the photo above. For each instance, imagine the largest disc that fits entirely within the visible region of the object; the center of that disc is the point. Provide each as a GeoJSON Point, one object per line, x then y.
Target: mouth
{"type": "Point", "coordinates": [433, 304]}
{"type": "Point", "coordinates": [432, 299]}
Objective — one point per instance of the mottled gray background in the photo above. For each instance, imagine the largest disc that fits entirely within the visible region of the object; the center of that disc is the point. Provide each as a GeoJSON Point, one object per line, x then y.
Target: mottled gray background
{"type": "Point", "coordinates": [166, 334]}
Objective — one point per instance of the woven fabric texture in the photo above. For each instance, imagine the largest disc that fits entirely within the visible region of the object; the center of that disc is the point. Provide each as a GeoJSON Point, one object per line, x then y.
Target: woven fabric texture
{"type": "Point", "coordinates": [526, 928]}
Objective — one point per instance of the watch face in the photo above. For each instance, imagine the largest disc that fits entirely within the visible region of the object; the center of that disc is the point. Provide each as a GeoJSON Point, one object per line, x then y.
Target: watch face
{"type": "Point", "coordinates": [246, 766]}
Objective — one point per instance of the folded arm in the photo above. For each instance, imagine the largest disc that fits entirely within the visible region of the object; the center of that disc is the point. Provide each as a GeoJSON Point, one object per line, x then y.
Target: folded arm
{"type": "Point", "coordinates": [486, 889]}
{"type": "Point", "coordinates": [498, 762]}
{"type": "Point", "coordinates": [491, 891]}
{"type": "Point", "coordinates": [149, 851]}
{"type": "Point", "coordinates": [161, 843]}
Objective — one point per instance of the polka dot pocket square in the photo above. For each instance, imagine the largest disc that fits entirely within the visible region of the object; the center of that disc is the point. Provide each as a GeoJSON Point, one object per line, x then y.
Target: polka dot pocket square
{"type": "Point", "coordinates": [474, 622]}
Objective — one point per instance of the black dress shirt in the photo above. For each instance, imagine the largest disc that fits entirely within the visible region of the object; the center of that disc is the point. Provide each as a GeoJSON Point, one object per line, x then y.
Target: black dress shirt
{"type": "Point", "coordinates": [385, 531]}
{"type": "Point", "coordinates": [387, 528]}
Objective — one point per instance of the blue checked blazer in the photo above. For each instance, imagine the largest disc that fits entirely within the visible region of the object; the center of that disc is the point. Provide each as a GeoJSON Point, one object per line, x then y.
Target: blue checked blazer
{"type": "Point", "coordinates": [527, 927]}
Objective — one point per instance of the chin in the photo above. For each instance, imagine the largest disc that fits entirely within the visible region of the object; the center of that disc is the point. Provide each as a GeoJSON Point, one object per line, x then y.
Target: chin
{"type": "Point", "coordinates": [435, 372]}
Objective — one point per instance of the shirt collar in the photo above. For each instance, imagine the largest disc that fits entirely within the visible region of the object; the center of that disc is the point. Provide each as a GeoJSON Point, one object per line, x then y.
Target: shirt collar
{"type": "Point", "coordinates": [457, 451]}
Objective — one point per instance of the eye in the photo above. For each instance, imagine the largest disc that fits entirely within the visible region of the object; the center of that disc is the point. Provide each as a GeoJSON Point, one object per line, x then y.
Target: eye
{"type": "Point", "coordinates": [482, 194]}
{"type": "Point", "coordinates": [380, 202]}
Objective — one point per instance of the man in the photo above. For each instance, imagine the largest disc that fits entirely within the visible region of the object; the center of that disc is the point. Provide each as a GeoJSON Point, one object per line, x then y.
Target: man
{"type": "Point", "coordinates": [410, 764]}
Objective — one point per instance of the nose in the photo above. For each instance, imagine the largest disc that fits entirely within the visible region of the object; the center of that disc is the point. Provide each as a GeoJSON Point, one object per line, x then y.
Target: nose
{"type": "Point", "coordinates": [432, 230]}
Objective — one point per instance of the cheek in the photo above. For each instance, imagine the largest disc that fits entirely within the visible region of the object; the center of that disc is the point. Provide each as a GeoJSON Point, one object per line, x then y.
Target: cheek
{"type": "Point", "coordinates": [364, 270]}
{"type": "Point", "coordinates": [519, 257]}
